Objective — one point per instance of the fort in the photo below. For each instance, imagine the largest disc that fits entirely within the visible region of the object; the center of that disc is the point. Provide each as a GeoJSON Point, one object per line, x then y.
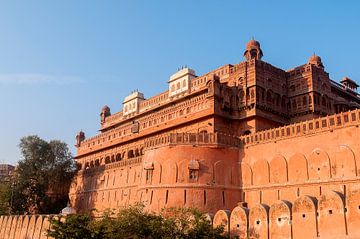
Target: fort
{"type": "Point", "coordinates": [267, 152]}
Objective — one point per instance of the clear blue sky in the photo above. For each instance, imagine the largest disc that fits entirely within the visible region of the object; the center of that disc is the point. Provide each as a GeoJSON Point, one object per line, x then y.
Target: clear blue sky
{"type": "Point", "coordinates": [61, 61]}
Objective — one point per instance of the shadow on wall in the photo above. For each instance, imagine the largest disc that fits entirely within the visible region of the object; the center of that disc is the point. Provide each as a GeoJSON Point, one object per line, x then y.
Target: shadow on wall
{"type": "Point", "coordinates": [329, 216]}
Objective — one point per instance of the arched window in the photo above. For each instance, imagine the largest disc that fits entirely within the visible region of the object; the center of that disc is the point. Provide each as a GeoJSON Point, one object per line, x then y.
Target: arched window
{"type": "Point", "coordinates": [184, 83]}
{"type": "Point", "coordinates": [130, 154]}
{"type": "Point", "coordinates": [107, 160]}
{"type": "Point", "coordinates": [304, 100]}
{"type": "Point", "coordinates": [178, 86]}
{"type": "Point", "coordinates": [247, 132]}
{"type": "Point", "coordinates": [323, 101]}
{"type": "Point", "coordinates": [268, 97]}
{"type": "Point", "coordinates": [118, 157]}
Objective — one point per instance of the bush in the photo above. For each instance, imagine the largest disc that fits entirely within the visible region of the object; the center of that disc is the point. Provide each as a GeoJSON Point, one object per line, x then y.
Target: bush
{"type": "Point", "coordinates": [134, 222]}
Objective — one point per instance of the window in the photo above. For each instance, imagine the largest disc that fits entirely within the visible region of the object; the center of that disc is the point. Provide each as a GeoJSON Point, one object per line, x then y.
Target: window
{"type": "Point", "coordinates": [166, 196]}
{"type": "Point", "coordinates": [193, 174]}
{"type": "Point", "coordinates": [149, 175]}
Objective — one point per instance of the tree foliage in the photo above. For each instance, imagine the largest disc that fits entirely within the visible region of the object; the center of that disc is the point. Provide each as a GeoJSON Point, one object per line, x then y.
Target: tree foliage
{"type": "Point", "coordinates": [5, 198]}
{"type": "Point", "coordinates": [41, 179]}
{"type": "Point", "coordinates": [134, 222]}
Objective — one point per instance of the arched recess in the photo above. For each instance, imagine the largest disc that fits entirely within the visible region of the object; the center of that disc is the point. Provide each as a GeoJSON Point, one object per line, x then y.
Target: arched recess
{"type": "Point", "coordinates": [239, 223]}
{"type": "Point", "coordinates": [331, 215]}
{"type": "Point", "coordinates": [183, 173]}
{"type": "Point", "coordinates": [280, 220]}
{"type": "Point", "coordinates": [304, 216]}
{"type": "Point", "coordinates": [319, 165]}
{"type": "Point", "coordinates": [246, 175]}
{"type": "Point", "coordinates": [353, 212]}
{"type": "Point", "coordinates": [343, 164]}
{"type": "Point", "coordinates": [297, 168]}
{"type": "Point", "coordinates": [221, 173]}
{"type": "Point", "coordinates": [171, 174]}
{"type": "Point", "coordinates": [221, 218]}
{"type": "Point", "coordinates": [157, 172]}
{"type": "Point", "coordinates": [260, 172]}
{"type": "Point", "coordinates": [278, 170]}
{"type": "Point", "coordinates": [258, 222]}
{"type": "Point", "coordinates": [236, 174]}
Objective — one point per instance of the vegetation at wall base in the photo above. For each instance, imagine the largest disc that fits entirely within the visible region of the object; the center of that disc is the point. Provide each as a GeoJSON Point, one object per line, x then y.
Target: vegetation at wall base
{"type": "Point", "coordinates": [41, 180]}
{"type": "Point", "coordinates": [135, 223]}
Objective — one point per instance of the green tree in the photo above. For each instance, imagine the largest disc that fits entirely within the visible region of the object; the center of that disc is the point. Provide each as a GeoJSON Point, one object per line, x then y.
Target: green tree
{"type": "Point", "coordinates": [74, 227]}
{"type": "Point", "coordinates": [42, 178]}
{"type": "Point", "coordinates": [5, 198]}
{"type": "Point", "coordinates": [135, 223]}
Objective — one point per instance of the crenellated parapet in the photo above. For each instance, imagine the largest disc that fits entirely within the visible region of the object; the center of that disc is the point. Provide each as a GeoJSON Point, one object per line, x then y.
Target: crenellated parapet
{"type": "Point", "coordinates": [308, 127]}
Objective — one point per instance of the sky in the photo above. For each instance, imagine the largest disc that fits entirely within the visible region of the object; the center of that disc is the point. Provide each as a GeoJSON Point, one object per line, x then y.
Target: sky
{"type": "Point", "coordinates": [61, 61]}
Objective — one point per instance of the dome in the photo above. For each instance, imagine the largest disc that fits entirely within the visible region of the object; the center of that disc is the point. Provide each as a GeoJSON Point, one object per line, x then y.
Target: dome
{"type": "Point", "coordinates": [252, 44]}
{"type": "Point", "coordinates": [105, 108]}
{"type": "Point", "coordinates": [314, 59]}
{"type": "Point", "coordinates": [68, 210]}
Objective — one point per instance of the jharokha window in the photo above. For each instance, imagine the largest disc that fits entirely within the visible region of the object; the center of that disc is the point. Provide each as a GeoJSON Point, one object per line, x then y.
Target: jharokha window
{"type": "Point", "coordinates": [194, 170]}
{"type": "Point", "coordinates": [149, 168]}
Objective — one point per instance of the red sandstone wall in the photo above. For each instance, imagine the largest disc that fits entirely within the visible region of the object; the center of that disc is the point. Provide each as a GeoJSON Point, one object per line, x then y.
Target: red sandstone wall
{"type": "Point", "coordinates": [21, 227]}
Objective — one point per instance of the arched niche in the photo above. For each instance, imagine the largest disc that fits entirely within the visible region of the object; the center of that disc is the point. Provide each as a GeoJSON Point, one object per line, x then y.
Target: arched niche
{"type": "Point", "coordinates": [222, 218]}
{"type": "Point", "coordinates": [222, 173]}
{"type": "Point", "coordinates": [239, 223]}
{"type": "Point", "coordinates": [343, 163]}
{"type": "Point", "coordinates": [157, 175]}
{"type": "Point", "coordinates": [183, 174]}
{"type": "Point", "coordinates": [260, 172]}
{"type": "Point", "coordinates": [171, 174]}
{"type": "Point", "coordinates": [331, 215]}
{"type": "Point", "coordinates": [236, 174]}
{"type": "Point", "coordinates": [278, 170]}
{"type": "Point", "coordinates": [258, 222]}
{"type": "Point", "coordinates": [246, 174]}
{"type": "Point", "coordinates": [353, 212]}
{"type": "Point", "coordinates": [304, 216]}
{"type": "Point", "coordinates": [297, 168]}
{"type": "Point", "coordinates": [319, 165]}
{"type": "Point", "coordinates": [280, 220]}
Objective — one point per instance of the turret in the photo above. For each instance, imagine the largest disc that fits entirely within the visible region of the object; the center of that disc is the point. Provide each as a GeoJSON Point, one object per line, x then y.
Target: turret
{"type": "Point", "coordinates": [105, 112]}
{"type": "Point", "coordinates": [79, 138]}
{"type": "Point", "coordinates": [253, 50]}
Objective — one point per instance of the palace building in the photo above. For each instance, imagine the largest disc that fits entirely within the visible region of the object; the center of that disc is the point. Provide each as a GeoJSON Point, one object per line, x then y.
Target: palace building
{"type": "Point", "coordinates": [258, 147]}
